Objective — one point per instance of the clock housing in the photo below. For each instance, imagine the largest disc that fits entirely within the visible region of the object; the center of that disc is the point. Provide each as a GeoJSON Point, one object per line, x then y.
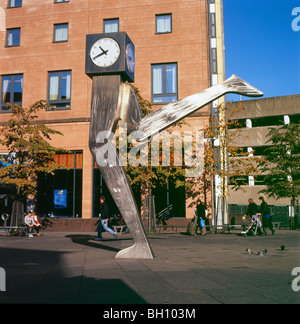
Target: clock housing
{"type": "Point", "coordinates": [97, 54]}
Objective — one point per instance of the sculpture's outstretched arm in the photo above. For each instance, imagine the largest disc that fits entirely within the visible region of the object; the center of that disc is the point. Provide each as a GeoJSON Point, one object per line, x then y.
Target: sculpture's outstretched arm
{"type": "Point", "coordinates": [170, 114]}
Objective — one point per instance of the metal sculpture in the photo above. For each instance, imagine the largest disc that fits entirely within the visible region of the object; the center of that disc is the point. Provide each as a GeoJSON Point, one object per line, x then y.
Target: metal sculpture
{"type": "Point", "coordinates": [114, 100]}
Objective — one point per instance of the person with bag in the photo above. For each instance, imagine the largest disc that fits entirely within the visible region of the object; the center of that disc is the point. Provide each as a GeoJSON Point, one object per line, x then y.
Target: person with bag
{"type": "Point", "coordinates": [202, 226]}
{"type": "Point", "coordinates": [199, 213]}
{"type": "Point", "coordinates": [264, 211]}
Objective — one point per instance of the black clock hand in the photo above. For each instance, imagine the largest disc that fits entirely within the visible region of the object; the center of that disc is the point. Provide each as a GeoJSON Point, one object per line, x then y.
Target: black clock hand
{"type": "Point", "coordinates": [105, 52]}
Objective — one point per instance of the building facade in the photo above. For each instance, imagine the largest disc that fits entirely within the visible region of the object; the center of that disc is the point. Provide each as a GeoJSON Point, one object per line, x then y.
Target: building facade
{"type": "Point", "coordinates": [257, 117]}
{"type": "Point", "coordinates": [179, 51]}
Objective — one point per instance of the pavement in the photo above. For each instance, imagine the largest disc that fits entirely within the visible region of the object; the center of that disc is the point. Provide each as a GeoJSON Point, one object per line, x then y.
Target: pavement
{"type": "Point", "coordinates": [72, 268]}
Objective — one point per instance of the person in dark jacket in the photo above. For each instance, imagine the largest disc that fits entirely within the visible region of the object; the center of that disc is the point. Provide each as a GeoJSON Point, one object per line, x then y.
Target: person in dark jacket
{"type": "Point", "coordinates": [252, 211]}
{"type": "Point", "coordinates": [199, 213]}
{"type": "Point", "coordinates": [99, 229]}
{"type": "Point", "coordinates": [252, 208]}
{"type": "Point", "coordinates": [264, 211]}
{"type": "Point", "coordinates": [105, 216]}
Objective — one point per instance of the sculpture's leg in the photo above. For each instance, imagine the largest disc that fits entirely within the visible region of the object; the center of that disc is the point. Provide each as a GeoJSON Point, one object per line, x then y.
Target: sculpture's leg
{"type": "Point", "coordinates": [107, 97]}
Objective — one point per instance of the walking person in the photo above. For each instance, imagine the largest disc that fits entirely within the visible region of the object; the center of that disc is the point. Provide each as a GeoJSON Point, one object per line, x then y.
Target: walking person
{"type": "Point", "coordinates": [105, 216]}
{"type": "Point", "coordinates": [252, 211]}
{"type": "Point", "coordinates": [264, 211]}
{"type": "Point", "coordinates": [99, 229]}
{"type": "Point", "coordinates": [199, 213]}
{"type": "Point", "coordinates": [202, 226]}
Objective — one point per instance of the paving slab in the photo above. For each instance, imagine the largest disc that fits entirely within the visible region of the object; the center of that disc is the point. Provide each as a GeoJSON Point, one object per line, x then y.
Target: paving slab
{"type": "Point", "coordinates": [72, 268]}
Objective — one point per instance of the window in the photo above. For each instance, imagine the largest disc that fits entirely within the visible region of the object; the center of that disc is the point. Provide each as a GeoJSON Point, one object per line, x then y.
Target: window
{"type": "Point", "coordinates": [295, 119]}
{"type": "Point", "coordinates": [58, 1]}
{"type": "Point", "coordinates": [60, 32]}
{"type": "Point", "coordinates": [259, 180]}
{"type": "Point", "coordinates": [13, 37]}
{"type": "Point", "coordinates": [237, 123]}
{"type": "Point", "coordinates": [14, 3]}
{"type": "Point", "coordinates": [111, 25]}
{"type": "Point", "coordinates": [164, 83]}
{"type": "Point", "coordinates": [164, 24]}
{"type": "Point", "coordinates": [238, 180]}
{"type": "Point", "coordinates": [260, 150]}
{"type": "Point", "coordinates": [11, 90]}
{"type": "Point", "coordinates": [267, 121]}
{"type": "Point", "coordinates": [59, 93]}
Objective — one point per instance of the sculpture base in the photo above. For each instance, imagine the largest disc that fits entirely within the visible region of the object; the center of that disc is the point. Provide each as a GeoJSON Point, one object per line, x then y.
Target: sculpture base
{"type": "Point", "coordinates": [137, 251]}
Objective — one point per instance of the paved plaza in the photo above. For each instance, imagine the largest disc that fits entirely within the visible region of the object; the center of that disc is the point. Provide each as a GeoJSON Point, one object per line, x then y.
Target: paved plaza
{"type": "Point", "coordinates": [72, 268]}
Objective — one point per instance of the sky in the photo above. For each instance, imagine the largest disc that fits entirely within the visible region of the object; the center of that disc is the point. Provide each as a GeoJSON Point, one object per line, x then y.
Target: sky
{"type": "Point", "coordinates": [262, 45]}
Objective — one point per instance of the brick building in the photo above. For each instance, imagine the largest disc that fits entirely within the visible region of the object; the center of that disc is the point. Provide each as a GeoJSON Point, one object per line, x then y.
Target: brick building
{"type": "Point", "coordinates": [42, 56]}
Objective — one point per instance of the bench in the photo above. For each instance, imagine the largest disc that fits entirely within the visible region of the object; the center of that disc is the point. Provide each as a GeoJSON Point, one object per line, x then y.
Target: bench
{"type": "Point", "coordinates": [119, 227]}
{"type": "Point", "coordinates": [174, 227]}
{"type": "Point", "coordinates": [277, 224]}
{"type": "Point", "coordinates": [7, 229]}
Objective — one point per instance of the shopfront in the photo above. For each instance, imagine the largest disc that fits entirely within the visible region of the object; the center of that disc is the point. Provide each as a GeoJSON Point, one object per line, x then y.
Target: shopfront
{"type": "Point", "coordinates": [60, 194]}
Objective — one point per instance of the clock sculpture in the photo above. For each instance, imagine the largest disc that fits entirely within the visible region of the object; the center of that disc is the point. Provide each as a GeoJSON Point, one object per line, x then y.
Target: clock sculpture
{"type": "Point", "coordinates": [110, 62]}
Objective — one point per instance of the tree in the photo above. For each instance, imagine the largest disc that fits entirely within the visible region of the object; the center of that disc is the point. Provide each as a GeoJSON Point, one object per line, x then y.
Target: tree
{"type": "Point", "coordinates": [223, 158]}
{"type": "Point", "coordinates": [29, 151]}
{"type": "Point", "coordinates": [281, 165]}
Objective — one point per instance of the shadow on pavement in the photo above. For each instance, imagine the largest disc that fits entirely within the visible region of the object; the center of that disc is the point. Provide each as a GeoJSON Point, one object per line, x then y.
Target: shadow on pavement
{"type": "Point", "coordinates": [88, 240]}
{"type": "Point", "coordinates": [39, 276]}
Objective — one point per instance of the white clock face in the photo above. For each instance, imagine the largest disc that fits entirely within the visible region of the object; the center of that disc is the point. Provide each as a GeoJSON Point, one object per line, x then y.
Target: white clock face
{"type": "Point", "coordinates": [105, 52]}
{"type": "Point", "coordinates": [130, 57]}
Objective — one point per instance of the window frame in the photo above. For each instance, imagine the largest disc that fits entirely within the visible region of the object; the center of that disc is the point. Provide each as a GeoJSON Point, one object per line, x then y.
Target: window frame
{"type": "Point", "coordinates": [7, 34]}
{"type": "Point", "coordinates": [3, 106]}
{"type": "Point", "coordinates": [11, 6]}
{"type": "Point", "coordinates": [110, 19]}
{"type": "Point", "coordinates": [54, 32]}
{"type": "Point", "coordinates": [164, 93]}
{"type": "Point", "coordinates": [156, 23]}
{"type": "Point", "coordinates": [60, 104]}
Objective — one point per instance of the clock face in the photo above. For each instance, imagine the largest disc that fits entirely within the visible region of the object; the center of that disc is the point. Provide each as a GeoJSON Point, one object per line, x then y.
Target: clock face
{"type": "Point", "coordinates": [105, 52]}
{"type": "Point", "coordinates": [130, 57]}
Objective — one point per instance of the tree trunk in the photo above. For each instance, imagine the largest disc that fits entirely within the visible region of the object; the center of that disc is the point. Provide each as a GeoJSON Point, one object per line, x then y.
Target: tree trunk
{"type": "Point", "coordinates": [17, 213]}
